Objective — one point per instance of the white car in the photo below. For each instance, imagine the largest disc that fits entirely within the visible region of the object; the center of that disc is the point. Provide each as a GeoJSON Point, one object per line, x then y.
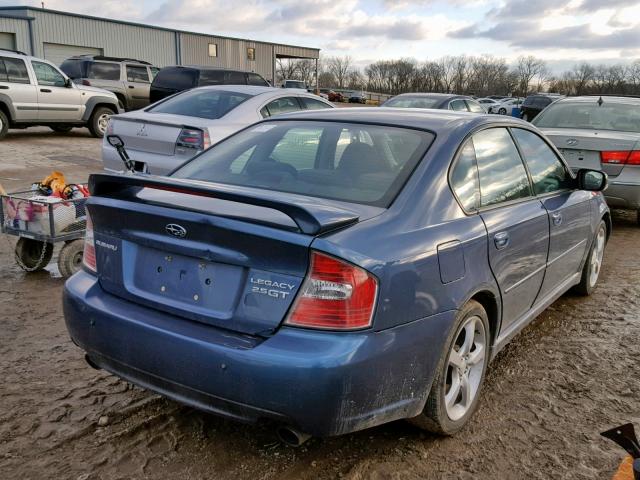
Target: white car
{"type": "Point", "coordinates": [504, 107]}
{"type": "Point", "coordinates": [488, 103]}
{"type": "Point", "coordinates": [168, 133]}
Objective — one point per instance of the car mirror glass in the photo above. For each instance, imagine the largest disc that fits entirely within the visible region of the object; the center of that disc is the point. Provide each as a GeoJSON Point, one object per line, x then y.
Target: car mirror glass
{"type": "Point", "coordinates": [593, 180]}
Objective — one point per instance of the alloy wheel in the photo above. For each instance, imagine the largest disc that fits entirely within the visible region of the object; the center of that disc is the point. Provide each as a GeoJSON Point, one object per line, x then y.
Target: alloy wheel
{"type": "Point", "coordinates": [465, 367]}
{"type": "Point", "coordinates": [596, 256]}
{"type": "Point", "coordinates": [103, 122]}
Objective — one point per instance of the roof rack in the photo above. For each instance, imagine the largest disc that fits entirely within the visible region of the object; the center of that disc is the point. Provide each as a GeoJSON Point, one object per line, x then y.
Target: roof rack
{"type": "Point", "coordinates": [113, 59]}
{"type": "Point", "coordinates": [13, 51]}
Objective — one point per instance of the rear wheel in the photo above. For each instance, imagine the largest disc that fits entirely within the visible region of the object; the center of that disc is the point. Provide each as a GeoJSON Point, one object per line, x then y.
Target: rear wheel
{"type": "Point", "coordinates": [456, 388]}
{"type": "Point", "coordinates": [502, 111]}
{"type": "Point", "coordinates": [99, 121]}
{"type": "Point", "coordinates": [61, 128]}
{"type": "Point", "coordinates": [33, 255]}
{"type": "Point", "coordinates": [4, 125]}
{"type": "Point", "coordinates": [70, 258]}
{"type": "Point", "coordinates": [593, 265]}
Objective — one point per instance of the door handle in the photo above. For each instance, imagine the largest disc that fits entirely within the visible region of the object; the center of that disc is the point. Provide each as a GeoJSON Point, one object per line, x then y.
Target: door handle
{"type": "Point", "coordinates": [131, 86]}
{"type": "Point", "coordinates": [45, 90]}
{"type": "Point", "coordinates": [501, 240]}
{"type": "Point", "coordinates": [556, 217]}
{"type": "Point", "coordinates": [4, 87]}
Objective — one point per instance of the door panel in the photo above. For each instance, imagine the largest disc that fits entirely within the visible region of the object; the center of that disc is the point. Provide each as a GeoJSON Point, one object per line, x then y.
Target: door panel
{"type": "Point", "coordinates": [55, 101]}
{"type": "Point", "coordinates": [518, 246]}
{"type": "Point", "coordinates": [137, 86]}
{"type": "Point", "coordinates": [569, 220]}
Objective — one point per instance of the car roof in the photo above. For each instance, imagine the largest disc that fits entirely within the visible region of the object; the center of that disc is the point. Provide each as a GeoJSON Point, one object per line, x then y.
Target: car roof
{"type": "Point", "coordinates": [432, 95]}
{"type": "Point", "coordinates": [420, 118]}
{"type": "Point", "coordinates": [605, 99]}
{"type": "Point", "coordinates": [249, 89]}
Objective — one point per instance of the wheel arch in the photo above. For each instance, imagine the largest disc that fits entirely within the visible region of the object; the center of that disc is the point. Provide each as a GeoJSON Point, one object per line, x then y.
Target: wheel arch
{"type": "Point", "coordinates": [609, 224]}
{"type": "Point", "coordinates": [492, 305]}
{"type": "Point", "coordinates": [96, 102]}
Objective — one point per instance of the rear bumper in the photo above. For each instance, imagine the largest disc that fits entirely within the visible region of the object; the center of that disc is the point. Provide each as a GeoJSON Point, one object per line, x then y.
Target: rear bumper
{"type": "Point", "coordinates": [158, 164]}
{"type": "Point", "coordinates": [323, 383]}
{"type": "Point", "coordinates": [621, 194]}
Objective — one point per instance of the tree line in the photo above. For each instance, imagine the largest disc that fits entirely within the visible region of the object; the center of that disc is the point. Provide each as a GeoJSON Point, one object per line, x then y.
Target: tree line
{"type": "Point", "coordinates": [463, 74]}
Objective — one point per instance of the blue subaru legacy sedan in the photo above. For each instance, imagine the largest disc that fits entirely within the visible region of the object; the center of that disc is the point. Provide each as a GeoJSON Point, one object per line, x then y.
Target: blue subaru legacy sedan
{"type": "Point", "coordinates": [333, 270]}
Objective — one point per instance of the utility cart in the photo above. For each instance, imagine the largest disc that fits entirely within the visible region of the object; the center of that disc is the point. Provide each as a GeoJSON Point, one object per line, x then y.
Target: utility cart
{"type": "Point", "coordinates": [39, 222]}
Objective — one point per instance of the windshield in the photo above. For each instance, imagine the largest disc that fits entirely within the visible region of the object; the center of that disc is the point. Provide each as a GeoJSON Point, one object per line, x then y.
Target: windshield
{"type": "Point", "coordinates": [343, 161]}
{"type": "Point", "coordinates": [211, 104]}
{"type": "Point", "coordinates": [610, 116]}
{"type": "Point", "coordinates": [412, 102]}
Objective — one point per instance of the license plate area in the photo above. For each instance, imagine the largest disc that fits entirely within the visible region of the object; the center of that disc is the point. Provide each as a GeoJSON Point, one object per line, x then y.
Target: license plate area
{"type": "Point", "coordinates": [199, 286]}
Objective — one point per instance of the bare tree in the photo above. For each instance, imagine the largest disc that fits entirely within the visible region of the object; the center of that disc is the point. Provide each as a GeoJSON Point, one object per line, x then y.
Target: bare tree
{"type": "Point", "coordinates": [286, 69]}
{"type": "Point", "coordinates": [340, 68]}
{"type": "Point", "coordinates": [528, 68]}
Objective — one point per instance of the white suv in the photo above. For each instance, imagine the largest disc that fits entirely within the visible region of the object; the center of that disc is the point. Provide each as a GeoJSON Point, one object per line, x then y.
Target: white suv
{"type": "Point", "coordinates": [35, 92]}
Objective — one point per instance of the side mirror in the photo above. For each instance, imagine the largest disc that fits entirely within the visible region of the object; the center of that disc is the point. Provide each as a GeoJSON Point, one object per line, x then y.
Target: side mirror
{"type": "Point", "coordinates": [68, 83]}
{"type": "Point", "coordinates": [592, 180]}
{"type": "Point", "coordinates": [115, 141]}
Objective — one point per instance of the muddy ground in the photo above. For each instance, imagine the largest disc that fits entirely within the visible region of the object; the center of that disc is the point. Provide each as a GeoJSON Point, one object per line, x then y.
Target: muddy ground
{"type": "Point", "coordinates": [568, 376]}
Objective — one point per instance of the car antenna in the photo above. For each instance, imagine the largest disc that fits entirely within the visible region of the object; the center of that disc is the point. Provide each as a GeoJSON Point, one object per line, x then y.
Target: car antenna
{"type": "Point", "coordinates": [600, 101]}
{"type": "Point", "coordinates": [116, 142]}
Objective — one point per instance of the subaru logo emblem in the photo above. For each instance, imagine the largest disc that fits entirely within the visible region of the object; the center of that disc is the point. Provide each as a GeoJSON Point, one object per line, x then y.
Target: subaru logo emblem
{"type": "Point", "coordinates": [143, 131]}
{"type": "Point", "coordinates": [176, 230]}
{"type": "Point", "coordinates": [572, 142]}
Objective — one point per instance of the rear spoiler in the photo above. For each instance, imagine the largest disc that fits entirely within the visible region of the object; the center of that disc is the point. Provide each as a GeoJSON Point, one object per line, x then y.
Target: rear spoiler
{"type": "Point", "coordinates": [312, 218]}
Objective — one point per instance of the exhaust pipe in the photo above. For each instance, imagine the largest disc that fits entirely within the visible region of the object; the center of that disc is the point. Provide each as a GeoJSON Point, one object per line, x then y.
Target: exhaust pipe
{"type": "Point", "coordinates": [91, 363]}
{"type": "Point", "coordinates": [292, 437]}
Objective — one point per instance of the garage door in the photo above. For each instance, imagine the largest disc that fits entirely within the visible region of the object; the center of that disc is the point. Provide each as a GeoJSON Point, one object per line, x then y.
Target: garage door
{"type": "Point", "coordinates": [8, 40]}
{"type": "Point", "coordinates": [58, 53]}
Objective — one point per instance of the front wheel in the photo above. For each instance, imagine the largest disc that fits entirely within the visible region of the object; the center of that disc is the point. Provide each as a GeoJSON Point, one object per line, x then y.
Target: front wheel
{"type": "Point", "coordinates": [4, 125]}
{"type": "Point", "coordinates": [456, 387]}
{"type": "Point", "coordinates": [99, 121]}
{"type": "Point", "coordinates": [502, 111]}
{"type": "Point", "coordinates": [593, 265]}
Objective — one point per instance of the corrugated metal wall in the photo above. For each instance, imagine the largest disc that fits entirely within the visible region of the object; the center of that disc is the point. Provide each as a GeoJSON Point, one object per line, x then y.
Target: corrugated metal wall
{"type": "Point", "coordinates": [154, 45]}
{"type": "Point", "coordinates": [20, 28]}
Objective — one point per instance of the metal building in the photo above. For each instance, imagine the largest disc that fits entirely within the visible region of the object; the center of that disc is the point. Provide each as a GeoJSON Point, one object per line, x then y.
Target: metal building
{"type": "Point", "coordinates": [56, 35]}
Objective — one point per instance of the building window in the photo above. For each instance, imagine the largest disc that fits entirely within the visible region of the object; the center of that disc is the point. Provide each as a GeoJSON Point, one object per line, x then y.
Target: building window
{"type": "Point", "coordinates": [213, 49]}
{"type": "Point", "coordinates": [251, 53]}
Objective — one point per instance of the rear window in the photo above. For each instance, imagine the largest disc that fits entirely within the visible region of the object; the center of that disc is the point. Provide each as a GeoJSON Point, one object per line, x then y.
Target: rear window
{"type": "Point", "coordinates": [412, 102]}
{"type": "Point", "coordinates": [609, 116]}
{"type": "Point", "coordinates": [365, 164]}
{"type": "Point", "coordinates": [74, 68]}
{"type": "Point", "coordinates": [175, 78]}
{"type": "Point", "coordinates": [103, 71]}
{"type": "Point", "coordinates": [210, 104]}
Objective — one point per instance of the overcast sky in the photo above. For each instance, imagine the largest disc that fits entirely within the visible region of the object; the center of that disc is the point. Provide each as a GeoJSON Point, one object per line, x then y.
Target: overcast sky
{"type": "Point", "coordinates": [558, 31]}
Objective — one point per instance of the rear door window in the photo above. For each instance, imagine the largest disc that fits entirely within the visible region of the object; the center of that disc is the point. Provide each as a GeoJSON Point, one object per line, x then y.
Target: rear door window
{"type": "Point", "coordinates": [235, 78]}
{"type": "Point", "coordinates": [282, 105]}
{"type": "Point", "coordinates": [547, 171]}
{"type": "Point", "coordinates": [176, 78]}
{"type": "Point", "coordinates": [16, 70]}
{"type": "Point", "coordinates": [211, 77]}
{"type": "Point", "coordinates": [210, 104]}
{"type": "Point", "coordinates": [137, 74]}
{"type": "Point", "coordinates": [474, 107]}
{"type": "Point", "coordinates": [312, 103]}
{"type": "Point", "coordinates": [458, 106]}
{"type": "Point", "coordinates": [300, 157]}
{"type": "Point", "coordinates": [502, 174]}
{"type": "Point", "coordinates": [104, 71]}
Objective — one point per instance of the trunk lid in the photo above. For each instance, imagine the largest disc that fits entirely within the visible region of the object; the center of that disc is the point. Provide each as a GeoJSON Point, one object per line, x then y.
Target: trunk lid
{"type": "Point", "coordinates": [229, 257]}
{"type": "Point", "coordinates": [581, 148]}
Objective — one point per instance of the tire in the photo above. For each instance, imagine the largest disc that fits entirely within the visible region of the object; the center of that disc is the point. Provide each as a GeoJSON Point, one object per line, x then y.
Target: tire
{"type": "Point", "coordinates": [525, 117]}
{"type": "Point", "coordinates": [502, 111]}
{"type": "Point", "coordinates": [98, 121]}
{"type": "Point", "coordinates": [445, 416]}
{"type": "Point", "coordinates": [33, 255]}
{"type": "Point", "coordinates": [4, 125]}
{"type": "Point", "coordinates": [61, 128]}
{"type": "Point", "coordinates": [593, 264]}
{"type": "Point", "coordinates": [70, 258]}
{"type": "Point", "coordinates": [638, 217]}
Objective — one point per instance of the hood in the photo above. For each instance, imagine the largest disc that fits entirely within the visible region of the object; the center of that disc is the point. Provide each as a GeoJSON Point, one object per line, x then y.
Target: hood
{"type": "Point", "coordinates": [101, 91]}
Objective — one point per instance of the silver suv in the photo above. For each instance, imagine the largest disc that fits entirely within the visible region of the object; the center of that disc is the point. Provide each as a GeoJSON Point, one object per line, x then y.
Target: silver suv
{"type": "Point", "coordinates": [35, 92]}
{"type": "Point", "coordinates": [129, 79]}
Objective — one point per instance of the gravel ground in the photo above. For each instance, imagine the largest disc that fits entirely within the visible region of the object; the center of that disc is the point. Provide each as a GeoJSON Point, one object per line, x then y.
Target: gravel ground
{"type": "Point", "coordinates": [568, 376]}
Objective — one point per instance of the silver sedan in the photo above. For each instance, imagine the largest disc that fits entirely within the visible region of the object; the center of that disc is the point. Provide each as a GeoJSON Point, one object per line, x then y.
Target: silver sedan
{"type": "Point", "coordinates": [173, 130]}
{"type": "Point", "coordinates": [603, 133]}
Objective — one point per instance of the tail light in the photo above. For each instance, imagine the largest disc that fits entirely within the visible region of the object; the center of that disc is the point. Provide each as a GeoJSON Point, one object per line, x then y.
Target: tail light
{"type": "Point", "coordinates": [194, 138]}
{"type": "Point", "coordinates": [335, 295]}
{"type": "Point", "coordinates": [89, 252]}
{"type": "Point", "coordinates": [86, 82]}
{"type": "Point", "coordinates": [620, 157]}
